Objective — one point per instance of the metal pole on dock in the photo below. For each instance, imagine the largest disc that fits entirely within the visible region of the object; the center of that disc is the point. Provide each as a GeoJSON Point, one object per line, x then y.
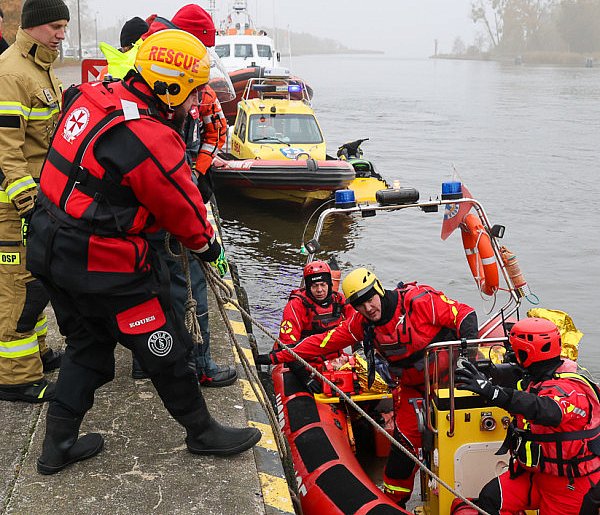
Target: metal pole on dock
{"type": "Point", "coordinates": [79, 28]}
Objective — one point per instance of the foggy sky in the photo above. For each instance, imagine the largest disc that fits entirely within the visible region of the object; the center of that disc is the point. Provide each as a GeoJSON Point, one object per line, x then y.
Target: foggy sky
{"type": "Point", "coordinates": [400, 27]}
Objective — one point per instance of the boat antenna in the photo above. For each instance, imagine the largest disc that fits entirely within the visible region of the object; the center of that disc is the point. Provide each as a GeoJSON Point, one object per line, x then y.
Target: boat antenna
{"type": "Point", "coordinates": [289, 34]}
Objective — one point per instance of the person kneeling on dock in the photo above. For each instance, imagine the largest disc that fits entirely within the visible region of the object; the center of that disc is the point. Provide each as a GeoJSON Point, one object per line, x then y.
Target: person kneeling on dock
{"type": "Point", "coordinates": [116, 170]}
{"type": "Point", "coordinates": [397, 325]}
{"type": "Point", "coordinates": [554, 438]}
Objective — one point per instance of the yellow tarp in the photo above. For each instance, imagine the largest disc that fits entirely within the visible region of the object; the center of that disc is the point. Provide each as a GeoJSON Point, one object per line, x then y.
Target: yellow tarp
{"type": "Point", "coordinates": [570, 335]}
{"type": "Point", "coordinates": [361, 368]}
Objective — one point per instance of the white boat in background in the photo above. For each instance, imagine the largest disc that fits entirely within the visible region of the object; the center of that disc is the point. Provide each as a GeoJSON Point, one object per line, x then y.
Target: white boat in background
{"type": "Point", "coordinates": [239, 44]}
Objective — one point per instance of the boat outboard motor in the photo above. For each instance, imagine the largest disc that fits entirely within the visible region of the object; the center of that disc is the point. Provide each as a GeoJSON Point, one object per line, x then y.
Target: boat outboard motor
{"type": "Point", "coordinates": [351, 150]}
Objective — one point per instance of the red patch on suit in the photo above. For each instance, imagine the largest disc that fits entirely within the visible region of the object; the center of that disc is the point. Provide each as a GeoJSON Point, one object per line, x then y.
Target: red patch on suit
{"type": "Point", "coordinates": [143, 318]}
{"type": "Point", "coordinates": [126, 255]}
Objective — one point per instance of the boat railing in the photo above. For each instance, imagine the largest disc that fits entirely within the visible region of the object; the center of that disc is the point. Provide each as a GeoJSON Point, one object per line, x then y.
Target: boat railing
{"type": "Point", "coordinates": [436, 380]}
{"type": "Point", "coordinates": [486, 329]}
{"type": "Point", "coordinates": [371, 209]}
{"type": "Point", "coordinates": [430, 206]}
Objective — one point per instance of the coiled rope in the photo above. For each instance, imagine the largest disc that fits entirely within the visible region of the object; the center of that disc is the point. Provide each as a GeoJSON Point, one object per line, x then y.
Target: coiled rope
{"type": "Point", "coordinates": [224, 295]}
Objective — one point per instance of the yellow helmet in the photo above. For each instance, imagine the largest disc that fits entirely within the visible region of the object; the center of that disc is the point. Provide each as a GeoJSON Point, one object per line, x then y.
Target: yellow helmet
{"type": "Point", "coordinates": [173, 63]}
{"type": "Point", "coordinates": [360, 285]}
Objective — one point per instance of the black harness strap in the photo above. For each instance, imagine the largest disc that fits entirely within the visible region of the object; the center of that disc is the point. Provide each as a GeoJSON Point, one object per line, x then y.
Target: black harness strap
{"type": "Point", "coordinates": [77, 174]}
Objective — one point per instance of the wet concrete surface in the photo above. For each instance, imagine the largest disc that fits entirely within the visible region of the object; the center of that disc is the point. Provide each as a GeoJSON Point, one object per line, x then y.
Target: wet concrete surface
{"type": "Point", "coordinates": [144, 467]}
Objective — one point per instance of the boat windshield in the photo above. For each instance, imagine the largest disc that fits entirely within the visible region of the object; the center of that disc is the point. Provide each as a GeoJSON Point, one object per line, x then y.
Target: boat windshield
{"type": "Point", "coordinates": [243, 50]}
{"type": "Point", "coordinates": [264, 51]}
{"type": "Point", "coordinates": [284, 128]}
{"type": "Point", "coordinates": [223, 50]}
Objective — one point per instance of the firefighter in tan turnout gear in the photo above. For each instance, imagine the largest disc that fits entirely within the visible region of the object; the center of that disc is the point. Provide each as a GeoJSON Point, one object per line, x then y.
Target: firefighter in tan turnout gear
{"type": "Point", "coordinates": [29, 106]}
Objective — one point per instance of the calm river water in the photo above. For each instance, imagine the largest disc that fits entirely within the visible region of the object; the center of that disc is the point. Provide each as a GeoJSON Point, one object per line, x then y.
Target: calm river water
{"type": "Point", "coordinates": [524, 139]}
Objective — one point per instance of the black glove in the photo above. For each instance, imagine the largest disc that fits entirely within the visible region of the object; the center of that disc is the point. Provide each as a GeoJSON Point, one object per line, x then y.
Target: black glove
{"type": "Point", "coordinates": [469, 378]}
{"type": "Point", "coordinates": [311, 383]}
{"type": "Point", "coordinates": [263, 359]}
{"type": "Point", "coordinates": [206, 185]}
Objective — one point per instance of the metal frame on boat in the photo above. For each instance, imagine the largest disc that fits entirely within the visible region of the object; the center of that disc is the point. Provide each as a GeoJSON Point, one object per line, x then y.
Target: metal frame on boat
{"type": "Point", "coordinates": [465, 430]}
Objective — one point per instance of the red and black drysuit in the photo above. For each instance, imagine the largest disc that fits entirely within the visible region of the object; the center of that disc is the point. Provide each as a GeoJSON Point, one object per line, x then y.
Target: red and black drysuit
{"type": "Point", "coordinates": [413, 316]}
{"type": "Point", "coordinates": [303, 317]}
{"type": "Point", "coordinates": [553, 442]}
{"type": "Point", "coordinates": [116, 170]}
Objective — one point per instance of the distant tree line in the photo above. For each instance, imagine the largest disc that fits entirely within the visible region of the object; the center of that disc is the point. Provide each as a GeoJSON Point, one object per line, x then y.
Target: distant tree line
{"type": "Point", "coordinates": [517, 26]}
{"type": "Point", "coordinates": [301, 43]}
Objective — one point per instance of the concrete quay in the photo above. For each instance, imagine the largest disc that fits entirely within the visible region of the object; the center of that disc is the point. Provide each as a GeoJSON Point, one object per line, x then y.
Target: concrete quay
{"type": "Point", "coordinates": [145, 467]}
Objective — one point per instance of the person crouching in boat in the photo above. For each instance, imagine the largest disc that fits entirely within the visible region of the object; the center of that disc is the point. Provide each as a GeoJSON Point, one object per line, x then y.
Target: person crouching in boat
{"type": "Point", "coordinates": [397, 325]}
{"type": "Point", "coordinates": [314, 309]}
{"type": "Point", "coordinates": [553, 439]}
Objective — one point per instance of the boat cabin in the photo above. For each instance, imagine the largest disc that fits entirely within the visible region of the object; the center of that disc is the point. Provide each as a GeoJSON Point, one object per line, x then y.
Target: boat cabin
{"type": "Point", "coordinates": [245, 48]}
{"type": "Point", "coordinates": [239, 44]}
{"type": "Point", "coordinates": [274, 126]}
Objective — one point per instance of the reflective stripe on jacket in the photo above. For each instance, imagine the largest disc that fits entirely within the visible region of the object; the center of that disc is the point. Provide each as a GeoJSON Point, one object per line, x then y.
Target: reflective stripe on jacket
{"type": "Point", "coordinates": [30, 97]}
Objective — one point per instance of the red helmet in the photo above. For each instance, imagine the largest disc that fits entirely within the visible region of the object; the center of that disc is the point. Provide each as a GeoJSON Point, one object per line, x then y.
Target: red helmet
{"type": "Point", "coordinates": [317, 271]}
{"type": "Point", "coordinates": [535, 339]}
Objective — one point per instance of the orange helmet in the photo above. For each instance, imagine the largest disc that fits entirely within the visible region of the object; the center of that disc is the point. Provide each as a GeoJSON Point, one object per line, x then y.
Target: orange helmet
{"type": "Point", "coordinates": [173, 63]}
{"type": "Point", "coordinates": [535, 339]}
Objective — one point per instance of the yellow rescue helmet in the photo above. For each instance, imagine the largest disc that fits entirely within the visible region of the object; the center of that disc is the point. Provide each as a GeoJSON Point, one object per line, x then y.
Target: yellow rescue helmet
{"type": "Point", "coordinates": [173, 63]}
{"type": "Point", "coordinates": [360, 285]}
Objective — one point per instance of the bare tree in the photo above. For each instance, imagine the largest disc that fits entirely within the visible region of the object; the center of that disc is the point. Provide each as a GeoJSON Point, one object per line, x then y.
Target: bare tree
{"type": "Point", "coordinates": [490, 13]}
{"type": "Point", "coordinates": [512, 24]}
{"type": "Point", "coordinates": [458, 48]}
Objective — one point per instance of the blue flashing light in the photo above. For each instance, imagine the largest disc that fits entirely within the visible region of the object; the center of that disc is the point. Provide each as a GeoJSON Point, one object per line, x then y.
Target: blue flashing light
{"type": "Point", "coordinates": [294, 88]}
{"type": "Point", "coordinates": [345, 199]}
{"type": "Point", "coordinates": [451, 190]}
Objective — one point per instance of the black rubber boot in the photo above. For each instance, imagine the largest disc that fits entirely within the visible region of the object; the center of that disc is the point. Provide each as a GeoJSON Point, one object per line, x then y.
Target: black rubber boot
{"type": "Point", "coordinates": [209, 437]}
{"type": "Point", "coordinates": [224, 375]}
{"type": "Point", "coordinates": [52, 359]}
{"type": "Point", "coordinates": [42, 391]}
{"type": "Point", "coordinates": [62, 447]}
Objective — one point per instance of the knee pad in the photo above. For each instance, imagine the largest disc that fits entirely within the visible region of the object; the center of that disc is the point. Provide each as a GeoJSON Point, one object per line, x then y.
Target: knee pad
{"type": "Point", "coordinates": [460, 507]}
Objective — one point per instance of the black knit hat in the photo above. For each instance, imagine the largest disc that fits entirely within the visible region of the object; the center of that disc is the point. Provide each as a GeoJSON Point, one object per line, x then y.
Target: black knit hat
{"type": "Point", "coordinates": [40, 12]}
{"type": "Point", "coordinates": [132, 31]}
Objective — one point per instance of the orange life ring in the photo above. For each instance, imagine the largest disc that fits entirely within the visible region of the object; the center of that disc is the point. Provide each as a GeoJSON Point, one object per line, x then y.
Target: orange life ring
{"type": "Point", "coordinates": [480, 254]}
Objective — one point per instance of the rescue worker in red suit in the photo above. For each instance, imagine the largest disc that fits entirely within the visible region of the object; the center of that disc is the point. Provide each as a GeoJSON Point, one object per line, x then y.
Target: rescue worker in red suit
{"type": "Point", "coordinates": [314, 309]}
{"type": "Point", "coordinates": [115, 171]}
{"type": "Point", "coordinates": [397, 325]}
{"type": "Point", "coordinates": [204, 134]}
{"type": "Point", "coordinates": [553, 438]}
